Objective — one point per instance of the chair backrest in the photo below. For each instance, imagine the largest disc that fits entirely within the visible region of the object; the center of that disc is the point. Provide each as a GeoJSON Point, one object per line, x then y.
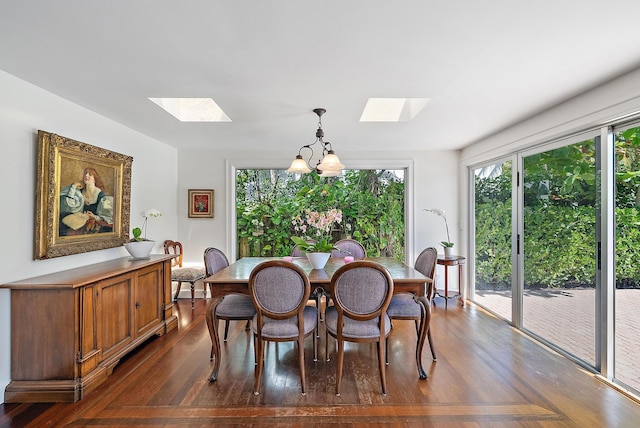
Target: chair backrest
{"type": "Point", "coordinates": [214, 260]}
{"type": "Point", "coordinates": [296, 251]}
{"type": "Point", "coordinates": [174, 247]}
{"type": "Point", "coordinates": [349, 247]}
{"type": "Point", "coordinates": [361, 290]}
{"type": "Point", "coordinates": [426, 265]}
{"type": "Point", "coordinates": [279, 290]}
{"type": "Point", "coordinates": [426, 262]}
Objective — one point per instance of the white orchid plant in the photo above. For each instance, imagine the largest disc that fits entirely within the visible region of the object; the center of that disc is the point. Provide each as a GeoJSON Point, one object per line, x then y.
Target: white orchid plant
{"type": "Point", "coordinates": [439, 212]}
{"type": "Point", "coordinates": [140, 234]}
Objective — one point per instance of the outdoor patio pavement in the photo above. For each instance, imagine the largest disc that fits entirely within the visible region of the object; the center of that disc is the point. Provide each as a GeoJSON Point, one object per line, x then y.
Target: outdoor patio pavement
{"type": "Point", "coordinates": [566, 318]}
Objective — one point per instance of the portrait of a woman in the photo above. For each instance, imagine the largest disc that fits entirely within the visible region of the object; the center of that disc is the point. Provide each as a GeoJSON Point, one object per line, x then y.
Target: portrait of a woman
{"type": "Point", "coordinates": [85, 207]}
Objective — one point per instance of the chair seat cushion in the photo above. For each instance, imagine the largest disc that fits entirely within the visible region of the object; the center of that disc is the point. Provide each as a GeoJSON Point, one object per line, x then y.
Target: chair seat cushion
{"type": "Point", "coordinates": [354, 329]}
{"type": "Point", "coordinates": [282, 329]}
{"type": "Point", "coordinates": [187, 274]}
{"type": "Point", "coordinates": [236, 306]}
{"type": "Point", "coordinates": [403, 306]}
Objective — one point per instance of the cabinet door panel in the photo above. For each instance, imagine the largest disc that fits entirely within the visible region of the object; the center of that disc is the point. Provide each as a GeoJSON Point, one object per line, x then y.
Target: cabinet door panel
{"type": "Point", "coordinates": [43, 348]}
{"type": "Point", "coordinates": [148, 299]}
{"type": "Point", "coordinates": [89, 348]}
{"type": "Point", "coordinates": [115, 314]}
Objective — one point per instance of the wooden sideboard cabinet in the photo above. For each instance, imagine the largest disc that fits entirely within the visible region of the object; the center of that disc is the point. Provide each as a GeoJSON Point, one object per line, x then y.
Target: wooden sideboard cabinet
{"type": "Point", "coordinates": [69, 329]}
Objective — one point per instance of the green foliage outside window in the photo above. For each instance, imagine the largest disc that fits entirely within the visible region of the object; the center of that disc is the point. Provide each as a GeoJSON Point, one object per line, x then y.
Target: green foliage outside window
{"type": "Point", "coordinates": [559, 210]}
{"type": "Point", "coordinates": [371, 201]}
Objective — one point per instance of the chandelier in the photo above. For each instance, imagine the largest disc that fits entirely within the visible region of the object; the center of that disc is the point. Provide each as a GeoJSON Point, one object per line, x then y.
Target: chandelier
{"type": "Point", "coordinates": [328, 165]}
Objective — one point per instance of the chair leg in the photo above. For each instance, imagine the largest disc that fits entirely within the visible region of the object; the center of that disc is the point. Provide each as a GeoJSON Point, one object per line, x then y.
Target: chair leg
{"type": "Point", "coordinates": [175, 296]}
{"type": "Point", "coordinates": [259, 365]}
{"type": "Point", "coordinates": [386, 352]}
{"type": "Point", "coordinates": [303, 380]}
{"type": "Point", "coordinates": [340, 363]}
{"type": "Point", "coordinates": [319, 304]}
{"type": "Point", "coordinates": [226, 330]}
{"type": "Point", "coordinates": [326, 347]}
{"type": "Point", "coordinates": [381, 367]}
{"type": "Point", "coordinates": [315, 348]}
{"type": "Point", "coordinates": [193, 295]}
{"type": "Point", "coordinates": [318, 317]}
{"type": "Point", "coordinates": [255, 349]}
{"type": "Point", "coordinates": [433, 352]}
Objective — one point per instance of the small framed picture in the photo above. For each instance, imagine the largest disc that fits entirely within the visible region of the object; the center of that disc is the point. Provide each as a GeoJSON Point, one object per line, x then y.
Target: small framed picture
{"type": "Point", "coordinates": [201, 203]}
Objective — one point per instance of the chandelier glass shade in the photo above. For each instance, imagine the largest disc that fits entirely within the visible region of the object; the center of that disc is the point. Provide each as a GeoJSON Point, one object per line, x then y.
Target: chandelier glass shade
{"type": "Point", "coordinates": [328, 166]}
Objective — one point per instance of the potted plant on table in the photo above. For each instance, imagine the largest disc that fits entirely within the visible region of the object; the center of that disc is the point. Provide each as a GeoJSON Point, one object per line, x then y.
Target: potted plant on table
{"type": "Point", "coordinates": [139, 246]}
{"type": "Point", "coordinates": [447, 245]}
{"type": "Point", "coordinates": [317, 227]}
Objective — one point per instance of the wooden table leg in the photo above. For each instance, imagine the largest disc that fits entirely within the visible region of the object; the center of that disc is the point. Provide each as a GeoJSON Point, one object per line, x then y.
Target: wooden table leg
{"type": "Point", "coordinates": [460, 287]}
{"type": "Point", "coordinates": [446, 285]}
{"type": "Point", "coordinates": [212, 324]}
{"type": "Point", "coordinates": [424, 327]}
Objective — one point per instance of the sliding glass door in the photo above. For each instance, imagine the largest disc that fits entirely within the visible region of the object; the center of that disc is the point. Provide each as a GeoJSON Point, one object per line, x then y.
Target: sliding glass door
{"type": "Point", "coordinates": [627, 257]}
{"type": "Point", "coordinates": [558, 243]}
{"type": "Point", "coordinates": [559, 256]}
{"type": "Point", "coordinates": [492, 220]}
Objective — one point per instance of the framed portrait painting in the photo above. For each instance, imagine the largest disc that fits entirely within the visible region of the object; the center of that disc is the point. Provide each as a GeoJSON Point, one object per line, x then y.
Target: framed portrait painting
{"type": "Point", "coordinates": [201, 203]}
{"type": "Point", "coordinates": [82, 197]}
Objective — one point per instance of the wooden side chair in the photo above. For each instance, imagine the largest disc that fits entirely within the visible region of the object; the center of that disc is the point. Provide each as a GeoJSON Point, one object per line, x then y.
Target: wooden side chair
{"type": "Point", "coordinates": [349, 247]}
{"type": "Point", "coordinates": [181, 274]}
{"type": "Point", "coordinates": [404, 306]}
{"type": "Point", "coordinates": [361, 293]}
{"type": "Point", "coordinates": [232, 307]}
{"type": "Point", "coordinates": [280, 291]}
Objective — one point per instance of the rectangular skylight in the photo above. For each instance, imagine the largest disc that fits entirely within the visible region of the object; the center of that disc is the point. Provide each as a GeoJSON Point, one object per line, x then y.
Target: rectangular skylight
{"type": "Point", "coordinates": [392, 109]}
{"type": "Point", "coordinates": [192, 109]}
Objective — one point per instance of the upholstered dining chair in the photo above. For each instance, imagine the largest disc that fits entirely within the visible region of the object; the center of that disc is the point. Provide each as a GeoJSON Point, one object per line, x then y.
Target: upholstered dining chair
{"type": "Point", "coordinates": [233, 307]}
{"type": "Point", "coordinates": [361, 293]}
{"type": "Point", "coordinates": [182, 274]}
{"type": "Point", "coordinates": [280, 291]}
{"type": "Point", "coordinates": [404, 306]}
{"type": "Point", "coordinates": [349, 247]}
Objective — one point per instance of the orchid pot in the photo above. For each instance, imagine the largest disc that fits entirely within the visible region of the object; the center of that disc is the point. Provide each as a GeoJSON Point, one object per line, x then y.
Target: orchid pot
{"type": "Point", "coordinates": [318, 260]}
{"type": "Point", "coordinates": [139, 250]}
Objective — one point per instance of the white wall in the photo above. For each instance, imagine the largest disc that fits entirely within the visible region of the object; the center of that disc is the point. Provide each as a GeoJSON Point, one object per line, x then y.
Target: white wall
{"type": "Point", "coordinates": [435, 186]}
{"type": "Point", "coordinates": [24, 109]}
{"type": "Point", "coordinates": [591, 109]}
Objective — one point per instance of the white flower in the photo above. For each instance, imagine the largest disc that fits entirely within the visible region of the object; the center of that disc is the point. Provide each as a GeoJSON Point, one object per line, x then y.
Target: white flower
{"type": "Point", "coordinates": [441, 213]}
{"type": "Point", "coordinates": [151, 213]}
{"type": "Point", "coordinates": [140, 233]}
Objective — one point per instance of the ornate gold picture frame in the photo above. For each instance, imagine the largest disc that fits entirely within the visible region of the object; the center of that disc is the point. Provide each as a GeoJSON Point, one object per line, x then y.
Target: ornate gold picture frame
{"type": "Point", "coordinates": [82, 197]}
{"type": "Point", "coordinates": [201, 203]}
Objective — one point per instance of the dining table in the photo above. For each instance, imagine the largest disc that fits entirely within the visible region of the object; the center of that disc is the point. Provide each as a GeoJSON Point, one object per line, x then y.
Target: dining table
{"type": "Point", "coordinates": [235, 279]}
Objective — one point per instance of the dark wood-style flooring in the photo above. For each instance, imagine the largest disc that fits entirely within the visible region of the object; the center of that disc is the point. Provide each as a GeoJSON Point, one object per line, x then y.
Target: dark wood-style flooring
{"type": "Point", "coordinates": [487, 375]}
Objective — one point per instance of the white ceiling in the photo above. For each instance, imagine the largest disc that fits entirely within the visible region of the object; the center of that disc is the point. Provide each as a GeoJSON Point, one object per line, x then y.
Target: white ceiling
{"type": "Point", "coordinates": [484, 64]}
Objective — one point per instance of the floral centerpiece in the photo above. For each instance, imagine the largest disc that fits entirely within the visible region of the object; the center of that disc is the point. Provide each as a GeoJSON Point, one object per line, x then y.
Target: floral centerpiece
{"type": "Point", "coordinates": [446, 244]}
{"type": "Point", "coordinates": [316, 228]}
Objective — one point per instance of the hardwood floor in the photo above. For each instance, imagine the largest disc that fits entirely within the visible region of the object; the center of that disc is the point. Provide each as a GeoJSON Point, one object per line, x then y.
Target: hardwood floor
{"type": "Point", "coordinates": [487, 374]}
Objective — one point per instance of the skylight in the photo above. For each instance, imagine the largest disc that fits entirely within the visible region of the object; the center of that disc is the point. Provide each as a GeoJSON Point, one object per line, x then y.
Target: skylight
{"type": "Point", "coordinates": [392, 109]}
{"type": "Point", "coordinates": [192, 109]}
